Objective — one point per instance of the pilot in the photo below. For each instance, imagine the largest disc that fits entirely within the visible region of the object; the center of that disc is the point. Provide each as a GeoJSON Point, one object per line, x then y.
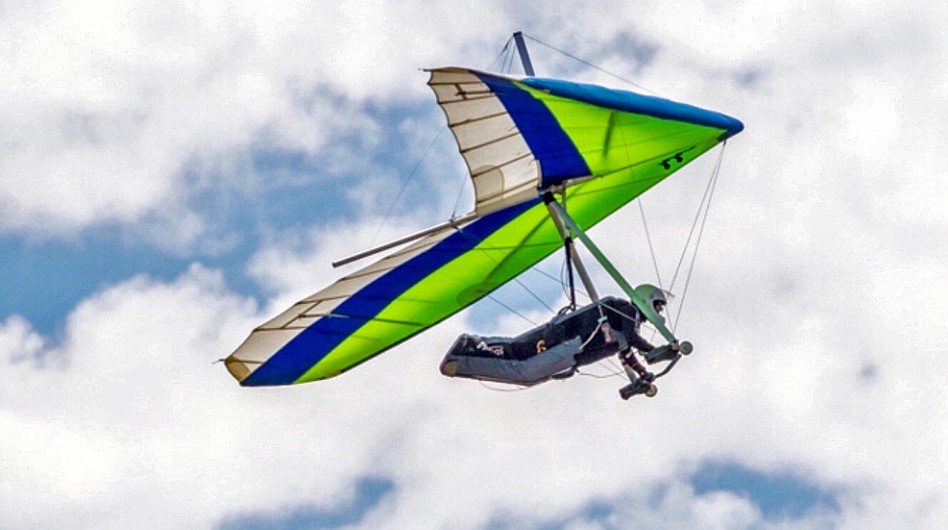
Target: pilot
{"type": "Point", "coordinates": [655, 298]}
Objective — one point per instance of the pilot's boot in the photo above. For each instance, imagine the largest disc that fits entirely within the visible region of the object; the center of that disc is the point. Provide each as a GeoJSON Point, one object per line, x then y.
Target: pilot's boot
{"type": "Point", "coordinates": [661, 353]}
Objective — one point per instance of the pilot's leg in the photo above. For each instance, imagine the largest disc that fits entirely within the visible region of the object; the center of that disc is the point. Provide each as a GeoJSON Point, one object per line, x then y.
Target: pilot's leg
{"type": "Point", "coordinates": [633, 368]}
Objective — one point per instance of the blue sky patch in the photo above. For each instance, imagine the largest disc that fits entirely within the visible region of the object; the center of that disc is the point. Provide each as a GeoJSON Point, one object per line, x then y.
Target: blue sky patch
{"type": "Point", "coordinates": [779, 496]}
{"type": "Point", "coordinates": [370, 491]}
{"type": "Point", "coordinates": [244, 203]}
{"type": "Point", "coordinates": [44, 281]}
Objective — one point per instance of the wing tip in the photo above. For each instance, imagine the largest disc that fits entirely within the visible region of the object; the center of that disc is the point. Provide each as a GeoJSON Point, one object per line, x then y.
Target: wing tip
{"type": "Point", "coordinates": [238, 369]}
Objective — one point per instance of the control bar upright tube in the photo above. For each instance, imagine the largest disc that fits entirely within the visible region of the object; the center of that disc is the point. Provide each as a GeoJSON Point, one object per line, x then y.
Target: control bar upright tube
{"type": "Point", "coordinates": [649, 312]}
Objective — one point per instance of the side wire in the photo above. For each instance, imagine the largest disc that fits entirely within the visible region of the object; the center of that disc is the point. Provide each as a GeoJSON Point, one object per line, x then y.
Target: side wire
{"type": "Point", "coordinates": [694, 224]}
{"type": "Point", "coordinates": [707, 208]}
{"type": "Point", "coordinates": [648, 237]}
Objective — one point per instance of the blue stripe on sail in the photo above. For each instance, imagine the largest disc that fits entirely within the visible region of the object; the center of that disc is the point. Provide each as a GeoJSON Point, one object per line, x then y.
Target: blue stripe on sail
{"type": "Point", "coordinates": [559, 159]}
{"type": "Point", "coordinates": [624, 100]}
{"type": "Point", "coordinates": [315, 342]}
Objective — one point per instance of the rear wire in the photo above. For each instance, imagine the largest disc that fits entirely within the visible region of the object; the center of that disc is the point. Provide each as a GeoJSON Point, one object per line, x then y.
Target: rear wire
{"type": "Point", "coordinates": [411, 176]}
{"type": "Point", "coordinates": [514, 311]}
{"type": "Point", "coordinates": [589, 64]}
{"type": "Point", "coordinates": [503, 59]}
{"type": "Point", "coordinates": [516, 280]}
{"type": "Point", "coordinates": [502, 56]}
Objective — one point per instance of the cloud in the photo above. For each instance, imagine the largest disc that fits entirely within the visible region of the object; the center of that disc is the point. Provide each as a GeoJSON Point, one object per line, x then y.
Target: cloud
{"type": "Point", "coordinates": [123, 121]}
{"type": "Point", "coordinates": [128, 408]}
{"type": "Point", "coordinates": [815, 306]}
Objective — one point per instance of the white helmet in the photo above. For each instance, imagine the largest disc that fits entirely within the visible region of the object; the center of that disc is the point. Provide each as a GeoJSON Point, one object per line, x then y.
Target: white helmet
{"type": "Point", "coordinates": [654, 297]}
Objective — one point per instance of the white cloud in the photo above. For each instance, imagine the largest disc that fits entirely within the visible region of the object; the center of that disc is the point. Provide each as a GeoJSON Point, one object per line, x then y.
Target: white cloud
{"type": "Point", "coordinates": [109, 105]}
{"type": "Point", "coordinates": [817, 307]}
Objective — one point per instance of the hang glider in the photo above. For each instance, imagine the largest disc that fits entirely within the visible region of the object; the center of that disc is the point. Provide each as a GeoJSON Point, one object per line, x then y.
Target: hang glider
{"type": "Point", "coordinates": [595, 148]}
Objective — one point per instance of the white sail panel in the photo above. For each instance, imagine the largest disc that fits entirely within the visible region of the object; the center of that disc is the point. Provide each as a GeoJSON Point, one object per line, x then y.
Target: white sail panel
{"type": "Point", "coordinates": [502, 167]}
{"type": "Point", "coordinates": [280, 330]}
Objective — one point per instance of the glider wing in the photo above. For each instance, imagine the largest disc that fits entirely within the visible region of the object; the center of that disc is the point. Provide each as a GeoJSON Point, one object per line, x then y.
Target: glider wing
{"type": "Point", "coordinates": [600, 147]}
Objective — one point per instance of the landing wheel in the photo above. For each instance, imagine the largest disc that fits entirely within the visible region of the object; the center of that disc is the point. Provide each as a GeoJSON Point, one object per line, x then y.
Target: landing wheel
{"type": "Point", "coordinates": [686, 348]}
{"type": "Point", "coordinates": [652, 390]}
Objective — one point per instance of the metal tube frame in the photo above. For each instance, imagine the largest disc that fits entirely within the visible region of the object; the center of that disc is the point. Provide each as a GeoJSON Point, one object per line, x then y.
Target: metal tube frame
{"type": "Point", "coordinates": [568, 241]}
{"type": "Point", "coordinates": [561, 218]}
{"type": "Point", "coordinates": [451, 223]}
{"type": "Point", "coordinates": [524, 55]}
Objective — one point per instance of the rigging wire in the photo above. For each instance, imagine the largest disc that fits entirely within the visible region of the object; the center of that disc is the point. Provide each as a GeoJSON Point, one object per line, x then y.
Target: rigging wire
{"type": "Point", "coordinates": [405, 184]}
{"type": "Point", "coordinates": [648, 237]}
{"type": "Point", "coordinates": [501, 56]}
{"type": "Point", "coordinates": [515, 279]}
{"type": "Point", "coordinates": [508, 64]}
{"type": "Point", "coordinates": [608, 375]}
{"type": "Point", "coordinates": [506, 50]}
{"type": "Point", "coordinates": [499, 389]}
{"type": "Point", "coordinates": [694, 224]}
{"type": "Point", "coordinates": [714, 178]}
{"type": "Point", "coordinates": [589, 64]}
{"type": "Point", "coordinates": [457, 201]}
{"type": "Point", "coordinates": [512, 310]}
{"type": "Point", "coordinates": [534, 295]}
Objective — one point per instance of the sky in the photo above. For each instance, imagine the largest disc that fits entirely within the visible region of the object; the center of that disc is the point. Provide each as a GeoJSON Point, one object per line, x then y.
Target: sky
{"type": "Point", "coordinates": [174, 174]}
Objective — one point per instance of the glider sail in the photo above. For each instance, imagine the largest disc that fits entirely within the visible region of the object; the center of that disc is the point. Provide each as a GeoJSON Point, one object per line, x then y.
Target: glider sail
{"type": "Point", "coordinates": [598, 147]}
